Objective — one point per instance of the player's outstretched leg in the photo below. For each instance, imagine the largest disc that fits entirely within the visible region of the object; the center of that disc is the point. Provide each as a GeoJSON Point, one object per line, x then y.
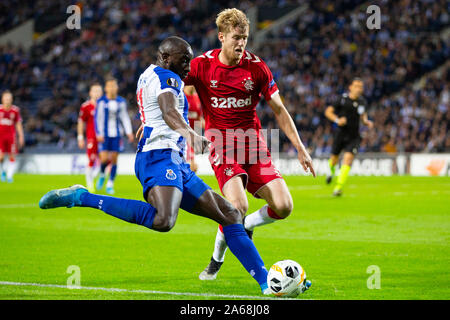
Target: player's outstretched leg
{"type": "Point", "coordinates": [279, 206]}
{"type": "Point", "coordinates": [160, 218]}
{"type": "Point", "coordinates": [67, 197]}
{"type": "Point", "coordinates": [128, 210]}
{"type": "Point", "coordinates": [217, 208]}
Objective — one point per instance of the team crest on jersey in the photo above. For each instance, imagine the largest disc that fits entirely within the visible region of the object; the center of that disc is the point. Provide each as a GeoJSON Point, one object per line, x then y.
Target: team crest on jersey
{"type": "Point", "coordinates": [170, 174]}
{"type": "Point", "coordinates": [172, 82]}
{"type": "Point", "coordinates": [277, 172]}
{"type": "Point", "coordinates": [229, 172]}
{"type": "Point", "coordinates": [248, 84]}
{"type": "Point", "coordinates": [213, 84]}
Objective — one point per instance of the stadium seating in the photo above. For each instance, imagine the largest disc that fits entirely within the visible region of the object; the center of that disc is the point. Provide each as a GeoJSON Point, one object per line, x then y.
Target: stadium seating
{"type": "Point", "coordinates": [313, 58]}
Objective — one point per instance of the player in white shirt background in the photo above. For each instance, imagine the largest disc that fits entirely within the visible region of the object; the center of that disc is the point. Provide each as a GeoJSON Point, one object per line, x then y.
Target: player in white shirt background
{"type": "Point", "coordinates": [111, 122]}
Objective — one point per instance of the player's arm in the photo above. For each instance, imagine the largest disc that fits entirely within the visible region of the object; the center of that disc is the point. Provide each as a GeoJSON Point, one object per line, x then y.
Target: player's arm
{"type": "Point", "coordinates": [332, 116]}
{"type": "Point", "coordinates": [286, 124]}
{"type": "Point", "coordinates": [80, 133]}
{"type": "Point", "coordinates": [168, 105]}
{"type": "Point", "coordinates": [126, 122]}
{"type": "Point", "coordinates": [19, 129]}
{"type": "Point", "coordinates": [99, 120]}
{"type": "Point", "coordinates": [366, 121]}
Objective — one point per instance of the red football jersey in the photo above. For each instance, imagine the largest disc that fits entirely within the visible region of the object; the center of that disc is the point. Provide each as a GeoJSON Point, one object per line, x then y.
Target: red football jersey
{"type": "Point", "coordinates": [8, 120]}
{"type": "Point", "coordinates": [195, 108]}
{"type": "Point", "coordinates": [87, 113]}
{"type": "Point", "coordinates": [229, 94]}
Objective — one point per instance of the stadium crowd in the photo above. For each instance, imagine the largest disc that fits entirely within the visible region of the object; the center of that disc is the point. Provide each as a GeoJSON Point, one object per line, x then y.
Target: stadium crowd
{"type": "Point", "coordinates": [14, 12]}
{"type": "Point", "coordinates": [312, 59]}
{"type": "Point", "coordinates": [327, 50]}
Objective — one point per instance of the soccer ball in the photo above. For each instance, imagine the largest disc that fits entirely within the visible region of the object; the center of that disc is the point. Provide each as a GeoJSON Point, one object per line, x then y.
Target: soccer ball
{"type": "Point", "coordinates": [286, 278]}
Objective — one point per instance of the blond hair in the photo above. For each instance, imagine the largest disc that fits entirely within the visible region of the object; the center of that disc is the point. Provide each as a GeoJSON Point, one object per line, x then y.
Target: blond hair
{"type": "Point", "coordinates": [229, 19]}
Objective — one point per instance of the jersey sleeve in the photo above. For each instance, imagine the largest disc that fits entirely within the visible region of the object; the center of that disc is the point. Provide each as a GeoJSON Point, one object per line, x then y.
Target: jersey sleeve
{"type": "Point", "coordinates": [169, 82]}
{"type": "Point", "coordinates": [362, 108]}
{"type": "Point", "coordinates": [83, 114]}
{"type": "Point", "coordinates": [18, 118]}
{"type": "Point", "coordinates": [125, 118]}
{"type": "Point", "coordinates": [99, 118]}
{"type": "Point", "coordinates": [268, 84]}
{"type": "Point", "coordinates": [336, 103]}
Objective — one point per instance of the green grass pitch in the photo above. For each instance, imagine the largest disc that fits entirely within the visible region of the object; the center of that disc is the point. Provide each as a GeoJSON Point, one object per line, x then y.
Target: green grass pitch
{"type": "Point", "coordinates": [400, 224]}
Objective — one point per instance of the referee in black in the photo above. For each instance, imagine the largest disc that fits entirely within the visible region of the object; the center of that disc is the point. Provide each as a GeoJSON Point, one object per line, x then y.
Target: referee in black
{"type": "Point", "coordinates": [346, 112]}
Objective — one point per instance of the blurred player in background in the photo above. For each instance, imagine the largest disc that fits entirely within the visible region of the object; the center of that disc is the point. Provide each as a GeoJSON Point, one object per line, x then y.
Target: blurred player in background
{"type": "Point", "coordinates": [230, 82]}
{"type": "Point", "coordinates": [346, 112]}
{"type": "Point", "coordinates": [86, 119]}
{"type": "Point", "coordinates": [111, 120]}
{"type": "Point", "coordinates": [10, 123]}
{"type": "Point", "coordinates": [195, 120]}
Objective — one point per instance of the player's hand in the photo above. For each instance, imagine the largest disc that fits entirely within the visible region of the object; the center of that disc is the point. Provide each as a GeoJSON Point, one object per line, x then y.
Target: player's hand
{"type": "Point", "coordinates": [130, 138]}
{"type": "Point", "coordinates": [369, 124]}
{"type": "Point", "coordinates": [100, 139]}
{"type": "Point", "coordinates": [21, 142]}
{"type": "Point", "coordinates": [81, 143]}
{"type": "Point", "coordinates": [140, 132]}
{"type": "Point", "coordinates": [342, 121]}
{"type": "Point", "coordinates": [199, 143]}
{"type": "Point", "coordinates": [306, 161]}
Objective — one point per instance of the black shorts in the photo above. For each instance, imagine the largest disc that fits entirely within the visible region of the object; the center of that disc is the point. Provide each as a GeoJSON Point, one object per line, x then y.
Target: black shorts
{"type": "Point", "coordinates": [346, 143]}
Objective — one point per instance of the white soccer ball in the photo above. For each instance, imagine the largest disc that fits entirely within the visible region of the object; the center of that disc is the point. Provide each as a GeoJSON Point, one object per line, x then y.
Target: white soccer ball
{"type": "Point", "coordinates": [286, 278]}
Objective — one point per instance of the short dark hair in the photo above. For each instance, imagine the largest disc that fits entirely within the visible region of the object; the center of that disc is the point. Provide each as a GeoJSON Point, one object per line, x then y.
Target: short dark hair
{"type": "Point", "coordinates": [6, 92]}
{"type": "Point", "coordinates": [93, 84]}
{"type": "Point", "coordinates": [357, 79]}
{"type": "Point", "coordinates": [110, 78]}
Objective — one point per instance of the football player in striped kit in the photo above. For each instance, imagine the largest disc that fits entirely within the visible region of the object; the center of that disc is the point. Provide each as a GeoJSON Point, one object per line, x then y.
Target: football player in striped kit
{"type": "Point", "coordinates": [111, 121]}
{"type": "Point", "coordinates": [167, 180]}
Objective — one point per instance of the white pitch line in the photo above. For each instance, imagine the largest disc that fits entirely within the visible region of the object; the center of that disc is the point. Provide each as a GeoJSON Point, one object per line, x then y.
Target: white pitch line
{"type": "Point", "coordinates": [18, 205]}
{"type": "Point", "coordinates": [193, 294]}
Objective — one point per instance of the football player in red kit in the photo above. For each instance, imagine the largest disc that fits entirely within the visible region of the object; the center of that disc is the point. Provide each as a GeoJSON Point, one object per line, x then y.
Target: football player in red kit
{"type": "Point", "coordinates": [195, 121]}
{"type": "Point", "coordinates": [230, 82]}
{"type": "Point", "coordinates": [86, 117]}
{"type": "Point", "coordinates": [10, 122]}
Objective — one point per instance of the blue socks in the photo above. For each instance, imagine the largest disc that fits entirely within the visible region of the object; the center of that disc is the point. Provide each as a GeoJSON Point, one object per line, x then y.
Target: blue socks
{"type": "Point", "coordinates": [244, 249]}
{"type": "Point", "coordinates": [112, 174]}
{"type": "Point", "coordinates": [133, 211]}
{"type": "Point", "coordinates": [143, 213]}
{"type": "Point", "coordinates": [103, 167]}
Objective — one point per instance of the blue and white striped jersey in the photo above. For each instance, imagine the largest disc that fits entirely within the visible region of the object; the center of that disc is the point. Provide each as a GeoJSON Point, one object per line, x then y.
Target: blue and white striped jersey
{"type": "Point", "coordinates": [157, 134]}
{"type": "Point", "coordinates": [111, 117]}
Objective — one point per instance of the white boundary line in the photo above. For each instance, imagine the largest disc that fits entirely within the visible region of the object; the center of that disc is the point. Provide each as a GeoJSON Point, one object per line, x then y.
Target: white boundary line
{"type": "Point", "coordinates": [117, 290]}
{"type": "Point", "coordinates": [18, 205]}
